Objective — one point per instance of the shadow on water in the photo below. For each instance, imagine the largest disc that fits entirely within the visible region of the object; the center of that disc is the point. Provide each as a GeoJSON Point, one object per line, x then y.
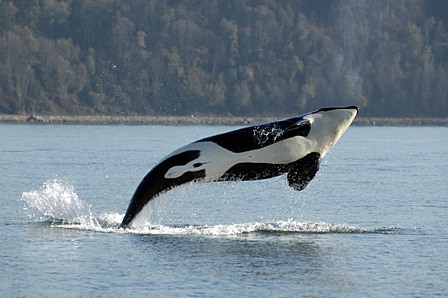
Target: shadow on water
{"type": "Point", "coordinates": [54, 230]}
{"type": "Point", "coordinates": [275, 258]}
{"type": "Point", "coordinates": [251, 258]}
{"type": "Point", "coordinates": [262, 256]}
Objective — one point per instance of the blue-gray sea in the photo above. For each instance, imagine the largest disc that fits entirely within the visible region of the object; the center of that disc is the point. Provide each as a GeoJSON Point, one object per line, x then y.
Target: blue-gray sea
{"type": "Point", "coordinates": [373, 223]}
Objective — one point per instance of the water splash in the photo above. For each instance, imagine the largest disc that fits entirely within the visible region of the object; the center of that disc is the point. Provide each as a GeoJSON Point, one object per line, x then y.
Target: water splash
{"type": "Point", "coordinates": [266, 135]}
{"type": "Point", "coordinates": [254, 228]}
{"type": "Point", "coordinates": [57, 201]}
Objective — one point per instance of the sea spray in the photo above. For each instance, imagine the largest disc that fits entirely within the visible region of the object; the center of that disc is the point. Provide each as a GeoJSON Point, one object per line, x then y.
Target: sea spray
{"type": "Point", "coordinates": [289, 227]}
{"type": "Point", "coordinates": [57, 201]}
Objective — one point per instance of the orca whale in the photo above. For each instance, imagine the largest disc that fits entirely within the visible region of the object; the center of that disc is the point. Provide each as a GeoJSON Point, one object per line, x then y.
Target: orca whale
{"type": "Point", "coordinates": [294, 146]}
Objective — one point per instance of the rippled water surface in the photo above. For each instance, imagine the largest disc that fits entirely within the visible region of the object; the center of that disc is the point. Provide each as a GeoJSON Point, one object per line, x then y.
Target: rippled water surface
{"type": "Point", "coordinates": [374, 222]}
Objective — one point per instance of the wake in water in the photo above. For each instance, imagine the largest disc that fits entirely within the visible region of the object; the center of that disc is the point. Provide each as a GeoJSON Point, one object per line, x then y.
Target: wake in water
{"type": "Point", "coordinates": [57, 202]}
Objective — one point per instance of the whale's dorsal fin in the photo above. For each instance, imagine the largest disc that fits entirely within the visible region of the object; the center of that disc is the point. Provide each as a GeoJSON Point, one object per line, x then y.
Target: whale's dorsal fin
{"type": "Point", "coordinates": [303, 171]}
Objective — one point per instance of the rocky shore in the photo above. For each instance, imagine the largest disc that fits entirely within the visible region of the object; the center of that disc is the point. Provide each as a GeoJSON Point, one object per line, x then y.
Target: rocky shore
{"type": "Point", "coordinates": [196, 120]}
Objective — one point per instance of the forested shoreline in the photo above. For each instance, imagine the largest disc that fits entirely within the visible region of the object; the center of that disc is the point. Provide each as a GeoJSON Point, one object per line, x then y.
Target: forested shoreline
{"type": "Point", "coordinates": [228, 58]}
{"type": "Point", "coordinates": [202, 120]}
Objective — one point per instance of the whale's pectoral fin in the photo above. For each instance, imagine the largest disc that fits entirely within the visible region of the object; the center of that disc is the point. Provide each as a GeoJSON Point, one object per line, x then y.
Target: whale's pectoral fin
{"type": "Point", "coordinates": [303, 171]}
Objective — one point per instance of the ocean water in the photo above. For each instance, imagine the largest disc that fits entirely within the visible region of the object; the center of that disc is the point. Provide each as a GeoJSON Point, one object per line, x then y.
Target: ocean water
{"type": "Point", "coordinates": [373, 223]}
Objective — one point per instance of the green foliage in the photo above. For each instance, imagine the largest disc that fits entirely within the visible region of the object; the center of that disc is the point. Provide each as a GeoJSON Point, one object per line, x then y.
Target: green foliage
{"type": "Point", "coordinates": [223, 57]}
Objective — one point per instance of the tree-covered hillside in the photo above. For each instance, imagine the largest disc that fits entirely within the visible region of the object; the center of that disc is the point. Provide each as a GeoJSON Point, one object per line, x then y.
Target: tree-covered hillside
{"type": "Point", "coordinates": [232, 57]}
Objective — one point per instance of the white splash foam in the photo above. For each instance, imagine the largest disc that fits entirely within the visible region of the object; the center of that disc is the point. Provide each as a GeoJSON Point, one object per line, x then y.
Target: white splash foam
{"type": "Point", "coordinates": [57, 201]}
{"type": "Point", "coordinates": [289, 226]}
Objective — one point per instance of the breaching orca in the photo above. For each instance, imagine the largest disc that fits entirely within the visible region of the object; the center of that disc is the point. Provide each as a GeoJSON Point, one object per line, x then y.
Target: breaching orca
{"type": "Point", "coordinates": [294, 146]}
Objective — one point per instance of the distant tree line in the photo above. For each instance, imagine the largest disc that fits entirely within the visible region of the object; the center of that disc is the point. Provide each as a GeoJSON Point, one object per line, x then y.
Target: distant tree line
{"type": "Point", "coordinates": [232, 57]}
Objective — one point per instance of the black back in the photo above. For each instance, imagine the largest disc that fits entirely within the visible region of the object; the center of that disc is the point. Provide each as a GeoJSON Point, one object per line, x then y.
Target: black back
{"type": "Point", "coordinates": [259, 136]}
